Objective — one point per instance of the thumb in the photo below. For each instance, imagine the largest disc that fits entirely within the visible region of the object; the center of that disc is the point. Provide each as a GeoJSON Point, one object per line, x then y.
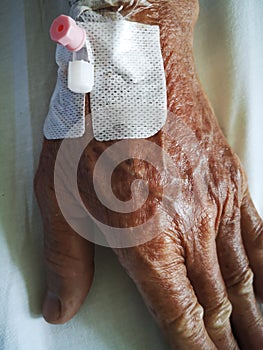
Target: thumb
{"type": "Point", "coordinates": [70, 269]}
{"type": "Point", "coordinates": [69, 258]}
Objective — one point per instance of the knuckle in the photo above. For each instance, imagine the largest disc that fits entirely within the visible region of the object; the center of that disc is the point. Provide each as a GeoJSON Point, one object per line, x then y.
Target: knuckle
{"type": "Point", "coordinates": [258, 234]}
{"type": "Point", "coordinates": [237, 180]}
{"type": "Point", "coordinates": [241, 283]}
{"type": "Point", "coordinates": [217, 316]}
{"type": "Point", "coordinates": [189, 323]}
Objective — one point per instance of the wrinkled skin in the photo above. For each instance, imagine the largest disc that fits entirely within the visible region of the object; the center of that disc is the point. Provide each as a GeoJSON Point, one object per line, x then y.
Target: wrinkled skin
{"type": "Point", "coordinates": [198, 280]}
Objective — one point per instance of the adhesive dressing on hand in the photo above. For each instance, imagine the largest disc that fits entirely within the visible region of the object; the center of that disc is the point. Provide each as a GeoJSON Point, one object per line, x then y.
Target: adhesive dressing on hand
{"type": "Point", "coordinates": [128, 98]}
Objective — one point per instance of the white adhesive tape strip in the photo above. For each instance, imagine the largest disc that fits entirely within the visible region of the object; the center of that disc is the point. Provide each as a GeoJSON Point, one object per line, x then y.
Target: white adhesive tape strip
{"type": "Point", "coordinates": [66, 116]}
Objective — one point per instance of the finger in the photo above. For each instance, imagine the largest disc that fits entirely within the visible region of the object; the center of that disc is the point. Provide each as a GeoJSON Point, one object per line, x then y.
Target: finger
{"type": "Point", "coordinates": [246, 319]}
{"type": "Point", "coordinates": [68, 256]}
{"type": "Point", "coordinates": [160, 274]}
{"type": "Point", "coordinates": [252, 233]}
{"type": "Point", "coordinates": [70, 271]}
{"type": "Point", "coordinates": [210, 289]}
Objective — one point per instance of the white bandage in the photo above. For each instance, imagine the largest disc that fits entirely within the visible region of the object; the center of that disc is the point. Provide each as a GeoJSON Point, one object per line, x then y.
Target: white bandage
{"type": "Point", "coordinates": [129, 96]}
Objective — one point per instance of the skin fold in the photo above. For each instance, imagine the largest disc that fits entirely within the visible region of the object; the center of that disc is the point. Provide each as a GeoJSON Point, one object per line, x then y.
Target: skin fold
{"type": "Point", "coordinates": [201, 272]}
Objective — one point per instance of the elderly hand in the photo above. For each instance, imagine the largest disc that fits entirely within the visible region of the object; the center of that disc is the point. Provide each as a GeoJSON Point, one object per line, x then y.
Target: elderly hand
{"type": "Point", "coordinates": [196, 273]}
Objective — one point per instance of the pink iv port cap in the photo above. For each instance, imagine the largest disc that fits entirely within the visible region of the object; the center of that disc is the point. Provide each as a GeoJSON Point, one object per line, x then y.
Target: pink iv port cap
{"type": "Point", "coordinates": [66, 32]}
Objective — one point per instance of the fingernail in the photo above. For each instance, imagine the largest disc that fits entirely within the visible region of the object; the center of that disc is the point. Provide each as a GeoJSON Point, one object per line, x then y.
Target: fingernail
{"type": "Point", "coordinates": [51, 307]}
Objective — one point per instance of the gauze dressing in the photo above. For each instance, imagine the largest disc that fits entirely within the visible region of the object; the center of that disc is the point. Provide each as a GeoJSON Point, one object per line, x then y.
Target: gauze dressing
{"type": "Point", "coordinates": [128, 99]}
